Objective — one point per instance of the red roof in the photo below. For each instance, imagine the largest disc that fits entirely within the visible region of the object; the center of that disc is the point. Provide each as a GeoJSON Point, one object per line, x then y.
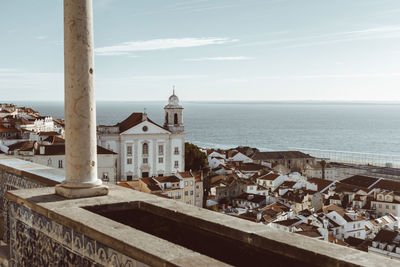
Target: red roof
{"type": "Point", "coordinates": [186, 174]}
{"type": "Point", "coordinates": [321, 183]}
{"type": "Point", "coordinates": [133, 120]}
{"type": "Point", "coordinates": [167, 179]}
{"type": "Point", "coordinates": [48, 134]}
{"type": "Point", "coordinates": [388, 185]}
{"type": "Point", "coordinates": [271, 176]}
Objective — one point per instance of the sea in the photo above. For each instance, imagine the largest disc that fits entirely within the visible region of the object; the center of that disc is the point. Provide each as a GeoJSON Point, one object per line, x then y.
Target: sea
{"type": "Point", "coordinates": [269, 126]}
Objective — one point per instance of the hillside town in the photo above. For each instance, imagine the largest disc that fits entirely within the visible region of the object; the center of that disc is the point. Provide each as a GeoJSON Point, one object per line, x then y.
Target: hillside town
{"type": "Point", "coordinates": [287, 190]}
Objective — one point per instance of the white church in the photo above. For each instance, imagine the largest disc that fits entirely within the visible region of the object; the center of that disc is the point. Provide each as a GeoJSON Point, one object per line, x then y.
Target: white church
{"type": "Point", "coordinates": [144, 148]}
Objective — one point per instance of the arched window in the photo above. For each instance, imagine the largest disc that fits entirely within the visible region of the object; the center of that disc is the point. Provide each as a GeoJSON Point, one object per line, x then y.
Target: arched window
{"type": "Point", "coordinates": [176, 118]}
{"type": "Point", "coordinates": [166, 118]}
{"type": "Point", "coordinates": [145, 150]}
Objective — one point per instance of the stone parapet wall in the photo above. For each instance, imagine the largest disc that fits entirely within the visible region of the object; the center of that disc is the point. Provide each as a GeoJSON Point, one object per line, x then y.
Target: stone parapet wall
{"type": "Point", "coordinates": [20, 174]}
{"type": "Point", "coordinates": [101, 231]}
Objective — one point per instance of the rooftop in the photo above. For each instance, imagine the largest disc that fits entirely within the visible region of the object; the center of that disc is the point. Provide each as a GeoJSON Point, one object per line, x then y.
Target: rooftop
{"type": "Point", "coordinates": [280, 155]}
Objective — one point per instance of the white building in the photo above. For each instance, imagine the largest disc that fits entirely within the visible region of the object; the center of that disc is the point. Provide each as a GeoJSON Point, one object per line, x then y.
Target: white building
{"type": "Point", "coordinates": [52, 154]}
{"type": "Point", "coordinates": [386, 202]}
{"type": "Point", "coordinates": [144, 148]}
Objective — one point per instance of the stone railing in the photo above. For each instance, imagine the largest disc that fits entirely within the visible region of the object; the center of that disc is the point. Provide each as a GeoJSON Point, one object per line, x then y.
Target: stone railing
{"type": "Point", "coordinates": [131, 228]}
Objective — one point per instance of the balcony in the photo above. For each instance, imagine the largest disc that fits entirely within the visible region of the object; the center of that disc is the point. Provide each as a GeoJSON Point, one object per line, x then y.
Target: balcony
{"type": "Point", "coordinates": [129, 227]}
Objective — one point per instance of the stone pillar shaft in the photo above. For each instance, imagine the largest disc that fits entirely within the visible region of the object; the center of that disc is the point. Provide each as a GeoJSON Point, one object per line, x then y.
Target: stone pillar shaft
{"type": "Point", "coordinates": [80, 103]}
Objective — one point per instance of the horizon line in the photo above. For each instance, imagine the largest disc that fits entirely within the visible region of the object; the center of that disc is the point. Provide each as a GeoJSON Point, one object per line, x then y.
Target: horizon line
{"type": "Point", "coordinates": [230, 101]}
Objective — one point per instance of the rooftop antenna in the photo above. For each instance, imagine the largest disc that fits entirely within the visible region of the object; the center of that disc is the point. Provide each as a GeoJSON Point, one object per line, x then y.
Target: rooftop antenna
{"type": "Point", "coordinates": [173, 89]}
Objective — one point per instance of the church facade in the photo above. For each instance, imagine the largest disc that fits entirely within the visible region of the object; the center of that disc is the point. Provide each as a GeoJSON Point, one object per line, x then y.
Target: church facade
{"type": "Point", "coordinates": [146, 149]}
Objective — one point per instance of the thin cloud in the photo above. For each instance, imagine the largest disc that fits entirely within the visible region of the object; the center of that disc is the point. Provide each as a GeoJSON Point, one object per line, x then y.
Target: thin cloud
{"type": "Point", "coordinates": [202, 5]}
{"type": "Point", "coordinates": [149, 78]}
{"type": "Point", "coordinates": [218, 58]}
{"type": "Point", "coordinates": [42, 37]}
{"type": "Point", "coordinates": [331, 76]}
{"type": "Point", "coordinates": [160, 44]}
{"type": "Point", "coordinates": [374, 33]}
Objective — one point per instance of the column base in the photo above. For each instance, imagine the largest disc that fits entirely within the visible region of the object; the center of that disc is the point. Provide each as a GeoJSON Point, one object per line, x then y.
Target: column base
{"type": "Point", "coordinates": [68, 192]}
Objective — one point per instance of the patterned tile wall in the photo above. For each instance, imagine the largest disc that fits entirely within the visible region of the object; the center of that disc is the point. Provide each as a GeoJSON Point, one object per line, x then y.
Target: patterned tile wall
{"type": "Point", "coordinates": [11, 181]}
{"type": "Point", "coordinates": [36, 240]}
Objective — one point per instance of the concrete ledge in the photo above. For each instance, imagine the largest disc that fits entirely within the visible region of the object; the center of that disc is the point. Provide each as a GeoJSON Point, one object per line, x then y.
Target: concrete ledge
{"type": "Point", "coordinates": [156, 251]}
{"type": "Point", "coordinates": [32, 171]}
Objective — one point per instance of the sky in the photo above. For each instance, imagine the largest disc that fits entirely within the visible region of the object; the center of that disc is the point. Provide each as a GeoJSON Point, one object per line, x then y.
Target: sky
{"type": "Point", "coordinates": [210, 50]}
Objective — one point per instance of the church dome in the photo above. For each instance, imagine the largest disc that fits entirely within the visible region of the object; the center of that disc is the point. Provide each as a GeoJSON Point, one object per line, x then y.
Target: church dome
{"type": "Point", "coordinates": [173, 101]}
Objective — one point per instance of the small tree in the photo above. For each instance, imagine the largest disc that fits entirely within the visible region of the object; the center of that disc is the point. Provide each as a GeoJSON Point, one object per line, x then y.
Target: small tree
{"type": "Point", "coordinates": [195, 159]}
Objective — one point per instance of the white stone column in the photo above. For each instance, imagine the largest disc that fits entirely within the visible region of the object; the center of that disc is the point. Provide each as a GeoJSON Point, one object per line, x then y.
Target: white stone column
{"type": "Point", "coordinates": [80, 105]}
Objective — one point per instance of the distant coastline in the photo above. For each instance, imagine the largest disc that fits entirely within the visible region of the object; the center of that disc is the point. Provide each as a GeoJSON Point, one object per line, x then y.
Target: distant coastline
{"type": "Point", "coordinates": [362, 127]}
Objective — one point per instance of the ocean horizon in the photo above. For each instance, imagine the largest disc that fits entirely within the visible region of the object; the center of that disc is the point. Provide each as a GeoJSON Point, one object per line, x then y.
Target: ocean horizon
{"type": "Point", "coordinates": [353, 126]}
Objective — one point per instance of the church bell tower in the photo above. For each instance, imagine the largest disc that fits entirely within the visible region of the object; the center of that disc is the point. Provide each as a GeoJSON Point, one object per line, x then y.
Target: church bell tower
{"type": "Point", "coordinates": [173, 115]}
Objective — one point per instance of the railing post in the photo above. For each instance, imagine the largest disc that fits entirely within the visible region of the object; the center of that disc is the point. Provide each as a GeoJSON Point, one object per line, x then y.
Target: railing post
{"type": "Point", "coordinates": [80, 104]}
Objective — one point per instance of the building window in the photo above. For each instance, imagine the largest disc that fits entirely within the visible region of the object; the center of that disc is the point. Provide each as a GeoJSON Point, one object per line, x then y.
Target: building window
{"type": "Point", "coordinates": [105, 177]}
{"type": "Point", "coordinates": [49, 162]}
{"type": "Point", "coordinates": [145, 149]}
{"type": "Point", "coordinates": [197, 186]}
{"type": "Point", "coordinates": [160, 160]}
{"type": "Point", "coordinates": [186, 193]}
{"type": "Point", "coordinates": [191, 183]}
{"type": "Point", "coordinates": [129, 177]}
{"type": "Point", "coordinates": [160, 150]}
{"type": "Point", "coordinates": [129, 150]}
{"type": "Point", "coordinates": [186, 183]}
{"type": "Point", "coordinates": [176, 151]}
{"type": "Point", "coordinates": [380, 205]}
{"type": "Point", "coordinates": [177, 195]}
{"type": "Point", "coordinates": [176, 164]}
{"type": "Point", "coordinates": [145, 160]}
{"type": "Point", "coordinates": [197, 195]}
{"type": "Point", "coordinates": [60, 164]}
{"type": "Point", "coordinates": [191, 192]}
{"type": "Point", "coordinates": [129, 161]}
{"type": "Point", "coordinates": [387, 206]}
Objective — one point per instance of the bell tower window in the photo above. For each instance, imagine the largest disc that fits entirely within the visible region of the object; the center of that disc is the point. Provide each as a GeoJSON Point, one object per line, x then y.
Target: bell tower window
{"type": "Point", "coordinates": [166, 118]}
{"type": "Point", "coordinates": [175, 118]}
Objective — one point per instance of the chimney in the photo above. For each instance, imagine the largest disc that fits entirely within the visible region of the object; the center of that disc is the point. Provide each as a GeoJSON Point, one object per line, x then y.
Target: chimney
{"type": "Point", "coordinates": [144, 116]}
{"type": "Point", "coordinates": [323, 164]}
